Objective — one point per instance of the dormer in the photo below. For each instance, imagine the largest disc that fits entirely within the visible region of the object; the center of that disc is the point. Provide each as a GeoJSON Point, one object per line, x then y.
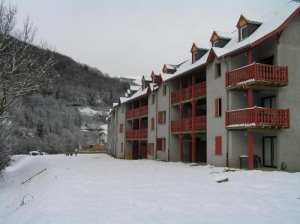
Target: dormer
{"type": "Point", "coordinates": [246, 27]}
{"type": "Point", "coordinates": [145, 83]}
{"type": "Point", "coordinates": [169, 69]}
{"type": "Point", "coordinates": [154, 77]}
{"type": "Point", "coordinates": [219, 39]}
{"type": "Point", "coordinates": [197, 52]}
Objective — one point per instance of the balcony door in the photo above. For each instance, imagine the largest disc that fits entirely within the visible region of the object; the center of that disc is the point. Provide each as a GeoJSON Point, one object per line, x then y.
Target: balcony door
{"type": "Point", "coordinates": [270, 152]}
{"type": "Point", "coordinates": [269, 102]}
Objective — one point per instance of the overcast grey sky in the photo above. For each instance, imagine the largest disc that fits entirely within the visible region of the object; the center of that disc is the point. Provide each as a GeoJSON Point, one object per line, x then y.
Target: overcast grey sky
{"type": "Point", "coordinates": [133, 37]}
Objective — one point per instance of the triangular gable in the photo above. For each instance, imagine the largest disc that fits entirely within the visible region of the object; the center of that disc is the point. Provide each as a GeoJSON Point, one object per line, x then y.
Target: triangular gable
{"type": "Point", "coordinates": [242, 22]}
{"type": "Point", "coordinates": [194, 48]}
{"type": "Point", "coordinates": [214, 37]}
{"type": "Point", "coordinates": [211, 57]}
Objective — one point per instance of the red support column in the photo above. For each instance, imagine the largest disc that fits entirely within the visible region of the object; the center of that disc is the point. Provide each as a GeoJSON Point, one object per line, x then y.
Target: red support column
{"type": "Point", "coordinates": [250, 149]}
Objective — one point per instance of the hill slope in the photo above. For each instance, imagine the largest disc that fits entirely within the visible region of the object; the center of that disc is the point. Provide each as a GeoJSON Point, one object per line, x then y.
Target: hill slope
{"type": "Point", "coordinates": [50, 121]}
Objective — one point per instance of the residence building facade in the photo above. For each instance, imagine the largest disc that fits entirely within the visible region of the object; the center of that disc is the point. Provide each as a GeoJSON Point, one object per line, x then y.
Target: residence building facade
{"type": "Point", "coordinates": [238, 100]}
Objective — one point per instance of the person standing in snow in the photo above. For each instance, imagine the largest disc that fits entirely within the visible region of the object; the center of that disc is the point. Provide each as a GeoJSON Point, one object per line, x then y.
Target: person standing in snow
{"type": "Point", "coordinates": [76, 151]}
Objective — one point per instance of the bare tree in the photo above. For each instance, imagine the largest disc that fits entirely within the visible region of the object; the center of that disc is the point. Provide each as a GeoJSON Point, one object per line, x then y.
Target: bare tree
{"type": "Point", "coordinates": [23, 67]}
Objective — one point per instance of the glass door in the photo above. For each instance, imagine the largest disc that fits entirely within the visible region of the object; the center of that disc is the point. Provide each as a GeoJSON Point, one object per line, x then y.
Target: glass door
{"type": "Point", "coordinates": [269, 152]}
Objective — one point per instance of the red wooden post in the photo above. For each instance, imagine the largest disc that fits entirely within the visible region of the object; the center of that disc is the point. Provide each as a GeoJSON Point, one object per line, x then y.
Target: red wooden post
{"type": "Point", "coordinates": [250, 149]}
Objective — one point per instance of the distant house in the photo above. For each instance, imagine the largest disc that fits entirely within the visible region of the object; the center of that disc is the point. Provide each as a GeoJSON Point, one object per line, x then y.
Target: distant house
{"type": "Point", "coordinates": [102, 138]}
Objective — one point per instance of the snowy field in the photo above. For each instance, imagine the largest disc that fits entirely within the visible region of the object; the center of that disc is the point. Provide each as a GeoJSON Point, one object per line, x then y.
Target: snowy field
{"type": "Point", "coordinates": [100, 189]}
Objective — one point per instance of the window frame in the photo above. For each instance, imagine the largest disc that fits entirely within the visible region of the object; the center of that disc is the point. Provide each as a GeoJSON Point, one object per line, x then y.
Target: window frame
{"type": "Point", "coordinates": [244, 28]}
{"type": "Point", "coordinates": [218, 70]}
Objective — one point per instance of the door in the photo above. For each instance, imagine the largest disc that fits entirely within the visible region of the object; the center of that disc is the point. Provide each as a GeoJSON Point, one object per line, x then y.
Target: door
{"type": "Point", "coordinates": [187, 151]}
{"type": "Point", "coordinates": [269, 152]}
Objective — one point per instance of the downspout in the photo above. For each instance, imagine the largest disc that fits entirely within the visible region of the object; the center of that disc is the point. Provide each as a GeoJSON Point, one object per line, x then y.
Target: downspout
{"type": "Point", "coordinates": [227, 107]}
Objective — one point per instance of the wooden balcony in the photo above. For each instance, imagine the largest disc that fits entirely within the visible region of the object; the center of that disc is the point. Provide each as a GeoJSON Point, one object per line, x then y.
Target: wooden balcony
{"type": "Point", "coordinates": [258, 117]}
{"type": "Point", "coordinates": [187, 124]}
{"type": "Point", "coordinates": [187, 93]}
{"type": "Point", "coordinates": [257, 76]}
{"type": "Point", "coordinates": [138, 112]}
{"type": "Point", "coordinates": [137, 134]}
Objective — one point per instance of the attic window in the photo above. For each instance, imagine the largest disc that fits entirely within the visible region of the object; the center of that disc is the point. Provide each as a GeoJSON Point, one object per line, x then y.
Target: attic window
{"type": "Point", "coordinates": [215, 43]}
{"type": "Point", "coordinates": [243, 32]}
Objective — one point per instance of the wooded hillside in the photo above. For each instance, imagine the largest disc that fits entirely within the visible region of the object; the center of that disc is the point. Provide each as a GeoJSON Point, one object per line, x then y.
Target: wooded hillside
{"type": "Point", "coordinates": [50, 121]}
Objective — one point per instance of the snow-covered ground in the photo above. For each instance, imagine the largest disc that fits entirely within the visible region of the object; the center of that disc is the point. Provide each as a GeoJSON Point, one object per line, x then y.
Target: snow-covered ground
{"type": "Point", "coordinates": [89, 111]}
{"type": "Point", "coordinates": [100, 189]}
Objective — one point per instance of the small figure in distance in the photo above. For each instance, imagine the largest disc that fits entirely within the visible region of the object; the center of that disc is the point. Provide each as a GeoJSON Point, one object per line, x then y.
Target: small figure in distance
{"type": "Point", "coordinates": [76, 151]}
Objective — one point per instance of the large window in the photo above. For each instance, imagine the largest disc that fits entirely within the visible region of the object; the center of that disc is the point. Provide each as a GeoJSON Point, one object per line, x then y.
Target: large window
{"type": "Point", "coordinates": [161, 144]}
{"type": "Point", "coordinates": [161, 117]}
{"type": "Point", "coordinates": [150, 148]}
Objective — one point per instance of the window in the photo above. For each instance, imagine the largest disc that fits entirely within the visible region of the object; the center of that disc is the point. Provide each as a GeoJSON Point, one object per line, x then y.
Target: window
{"type": "Point", "coordinates": [218, 70]}
{"type": "Point", "coordinates": [164, 90]}
{"type": "Point", "coordinates": [122, 147]}
{"type": "Point", "coordinates": [161, 144]}
{"type": "Point", "coordinates": [243, 32]}
{"type": "Point", "coordinates": [153, 99]}
{"type": "Point", "coordinates": [215, 43]}
{"type": "Point", "coordinates": [218, 145]}
{"type": "Point", "coordinates": [150, 148]}
{"type": "Point", "coordinates": [152, 124]}
{"type": "Point", "coordinates": [121, 128]}
{"type": "Point", "coordinates": [161, 117]}
{"type": "Point", "coordinates": [218, 107]}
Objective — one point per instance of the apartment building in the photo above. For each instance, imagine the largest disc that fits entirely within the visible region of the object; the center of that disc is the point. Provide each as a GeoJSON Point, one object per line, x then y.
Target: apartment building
{"type": "Point", "coordinates": [234, 104]}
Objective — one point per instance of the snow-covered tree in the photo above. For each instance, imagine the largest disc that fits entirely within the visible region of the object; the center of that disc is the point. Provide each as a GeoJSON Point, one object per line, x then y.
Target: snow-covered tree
{"type": "Point", "coordinates": [23, 67]}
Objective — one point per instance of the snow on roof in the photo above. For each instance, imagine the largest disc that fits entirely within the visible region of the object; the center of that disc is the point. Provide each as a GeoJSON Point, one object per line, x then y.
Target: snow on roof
{"type": "Point", "coordinates": [115, 104]}
{"type": "Point", "coordinates": [187, 66]}
{"type": "Point", "coordinates": [271, 22]}
{"type": "Point", "coordinates": [224, 35]}
{"type": "Point", "coordinates": [139, 93]}
{"type": "Point", "coordinates": [123, 99]}
{"type": "Point", "coordinates": [135, 88]}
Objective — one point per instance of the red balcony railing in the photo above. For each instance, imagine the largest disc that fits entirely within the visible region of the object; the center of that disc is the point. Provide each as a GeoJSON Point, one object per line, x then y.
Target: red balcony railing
{"type": "Point", "coordinates": [141, 133]}
{"type": "Point", "coordinates": [258, 117]}
{"type": "Point", "coordinates": [200, 123]}
{"type": "Point", "coordinates": [200, 89]}
{"type": "Point", "coordinates": [138, 112]}
{"type": "Point", "coordinates": [187, 93]}
{"type": "Point", "coordinates": [187, 124]}
{"type": "Point", "coordinates": [257, 72]}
